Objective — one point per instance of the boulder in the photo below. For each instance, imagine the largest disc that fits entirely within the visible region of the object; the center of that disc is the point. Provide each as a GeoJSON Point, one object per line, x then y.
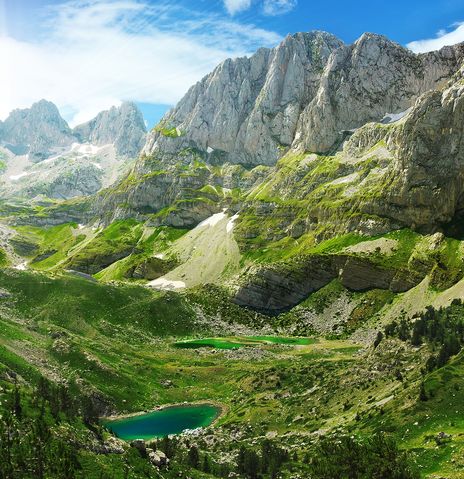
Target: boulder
{"type": "Point", "coordinates": [157, 458]}
{"type": "Point", "coordinates": [113, 445]}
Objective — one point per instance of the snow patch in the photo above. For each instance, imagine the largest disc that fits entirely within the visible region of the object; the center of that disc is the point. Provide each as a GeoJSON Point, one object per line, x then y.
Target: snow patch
{"type": "Point", "coordinates": [394, 117]}
{"type": "Point", "coordinates": [21, 266]}
{"type": "Point", "coordinates": [212, 220]}
{"type": "Point", "coordinates": [210, 150]}
{"type": "Point", "coordinates": [17, 177]}
{"type": "Point", "coordinates": [159, 256]}
{"type": "Point", "coordinates": [85, 148]}
{"type": "Point", "coordinates": [230, 224]}
{"type": "Point", "coordinates": [81, 149]}
{"type": "Point", "coordinates": [51, 159]}
{"type": "Point", "coordinates": [166, 284]}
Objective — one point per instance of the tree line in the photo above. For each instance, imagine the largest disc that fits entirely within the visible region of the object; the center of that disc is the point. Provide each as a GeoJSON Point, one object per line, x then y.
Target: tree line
{"type": "Point", "coordinates": [28, 447]}
{"type": "Point", "coordinates": [442, 328]}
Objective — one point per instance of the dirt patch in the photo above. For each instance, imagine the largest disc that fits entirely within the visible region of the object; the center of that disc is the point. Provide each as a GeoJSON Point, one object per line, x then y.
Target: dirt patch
{"type": "Point", "coordinates": [383, 246]}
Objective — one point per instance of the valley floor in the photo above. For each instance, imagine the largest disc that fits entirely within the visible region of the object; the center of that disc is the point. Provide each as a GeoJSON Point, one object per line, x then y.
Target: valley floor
{"type": "Point", "coordinates": [120, 345]}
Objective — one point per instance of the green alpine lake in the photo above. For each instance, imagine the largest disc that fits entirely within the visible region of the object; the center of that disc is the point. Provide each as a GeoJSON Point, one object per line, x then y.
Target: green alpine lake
{"type": "Point", "coordinates": [164, 422]}
{"type": "Point", "coordinates": [235, 342]}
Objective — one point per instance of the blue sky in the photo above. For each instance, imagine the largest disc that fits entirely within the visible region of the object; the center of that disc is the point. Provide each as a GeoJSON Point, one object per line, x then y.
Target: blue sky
{"type": "Point", "coordinates": [86, 55]}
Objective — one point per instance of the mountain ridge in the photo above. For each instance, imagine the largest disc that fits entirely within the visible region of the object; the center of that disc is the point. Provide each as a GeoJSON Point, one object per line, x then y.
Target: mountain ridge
{"type": "Point", "coordinates": [42, 155]}
{"type": "Point", "coordinates": [41, 131]}
{"type": "Point", "coordinates": [341, 92]}
{"type": "Point", "coordinates": [323, 56]}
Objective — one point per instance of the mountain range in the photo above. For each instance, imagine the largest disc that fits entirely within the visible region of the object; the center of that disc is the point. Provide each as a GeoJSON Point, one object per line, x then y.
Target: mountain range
{"type": "Point", "coordinates": [313, 94]}
{"type": "Point", "coordinates": [42, 155]}
{"type": "Point", "coordinates": [286, 244]}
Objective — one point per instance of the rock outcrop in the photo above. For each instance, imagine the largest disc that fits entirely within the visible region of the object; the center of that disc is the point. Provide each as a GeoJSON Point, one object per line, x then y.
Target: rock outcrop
{"type": "Point", "coordinates": [278, 288]}
{"type": "Point", "coordinates": [281, 286]}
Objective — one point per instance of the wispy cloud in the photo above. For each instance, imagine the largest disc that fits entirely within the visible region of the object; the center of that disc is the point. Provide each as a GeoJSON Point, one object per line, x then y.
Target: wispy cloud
{"type": "Point", "coordinates": [278, 7]}
{"type": "Point", "coordinates": [268, 7]}
{"type": "Point", "coordinates": [96, 53]}
{"type": "Point", "coordinates": [236, 6]}
{"type": "Point", "coordinates": [442, 39]}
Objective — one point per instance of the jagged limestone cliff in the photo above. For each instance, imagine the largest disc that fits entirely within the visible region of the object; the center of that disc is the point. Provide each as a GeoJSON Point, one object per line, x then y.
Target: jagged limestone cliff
{"type": "Point", "coordinates": [309, 94]}
{"type": "Point", "coordinates": [304, 93]}
{"type": "Point", "coordinates": [38, 131]}
{"type": "Point", "coordinates": [122, 126]}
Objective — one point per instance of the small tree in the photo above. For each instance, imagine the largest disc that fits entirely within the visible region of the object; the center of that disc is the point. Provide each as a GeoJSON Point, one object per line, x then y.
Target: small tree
{"type": "Point", "coordinates": [17, 408]}
{"type": "Point", "coordinates": [378, 339]}
{"type": "Point", "coordinates": [206, 465]}
{"type": "Point", "coordinates": [193, 458]}
{"type": "Point", "coordinates": [423, 396]}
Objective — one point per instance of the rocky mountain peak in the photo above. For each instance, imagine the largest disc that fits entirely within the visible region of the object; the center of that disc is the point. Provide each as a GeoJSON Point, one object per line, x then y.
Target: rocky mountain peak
{"type": "Point", "coordinates": [47, 111]}
{"type": "Point", "coordinates": [303, 94]}
{"type": "Point", "coordinates": [38, 131]}
{"type": "Point", "coordinates": [246, 111]}
{"type": "Point", "coordinates": [79, 162]}
{"type": "Point", "coordinates": [41, 132]}
{"type": "Point", "coordinates": [123, 126]}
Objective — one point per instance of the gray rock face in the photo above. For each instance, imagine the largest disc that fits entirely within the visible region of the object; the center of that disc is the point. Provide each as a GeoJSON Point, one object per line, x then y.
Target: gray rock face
{"type": "Point", "coordinates": [364, 81]}
{"type": "Point", "coordinates": [302, 94]}
{"type": "Point", "coordinates": [279, 287]}
{"type": "Point", "coordinates": [426, 178]}
{"type": "Point", "coordinates": [38, 131]}
{"type": "Point", "coordinates": [246, 111]}
{"type": "Point", "coordinates": [41, 132]}
{"type": "Point", "coordinates": [122, 126]}
{"type": "Point", "coordinates": [81, 171]}
{"type": "Point", "coordinates": [359, 274]}
{"type": "Point", "coordinates": [66, 181]}
{"type": "Point", "coordinates": [42, 156]}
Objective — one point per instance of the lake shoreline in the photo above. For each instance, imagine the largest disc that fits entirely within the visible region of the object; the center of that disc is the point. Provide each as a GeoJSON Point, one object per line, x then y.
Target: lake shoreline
{"type": "Point", "coordinates": [222, 410]}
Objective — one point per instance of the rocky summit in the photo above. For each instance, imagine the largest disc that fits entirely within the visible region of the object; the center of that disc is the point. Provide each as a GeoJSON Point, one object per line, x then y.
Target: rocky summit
{"type": "Point", "coordinates": [122, 126]}
{"type": "Point", "coordinates": [307, 93]}
{"type": "Point", "coordinates": [39, 131]}
{"type": "Point", "coordinates": [281, 258]}
{"type": "Point", "coordinates": [42, 156]}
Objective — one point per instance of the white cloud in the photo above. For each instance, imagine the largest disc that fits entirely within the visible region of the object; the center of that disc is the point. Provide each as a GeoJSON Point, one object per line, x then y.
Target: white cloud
{"type": "Point", "coordinates": [96, 53]}
{"type": "Point", "coordinates": [442, 39]}
{"type": "Point", "coordinates": [236, 6]}
{"type": "Point", "coordinates": [278, 7]}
